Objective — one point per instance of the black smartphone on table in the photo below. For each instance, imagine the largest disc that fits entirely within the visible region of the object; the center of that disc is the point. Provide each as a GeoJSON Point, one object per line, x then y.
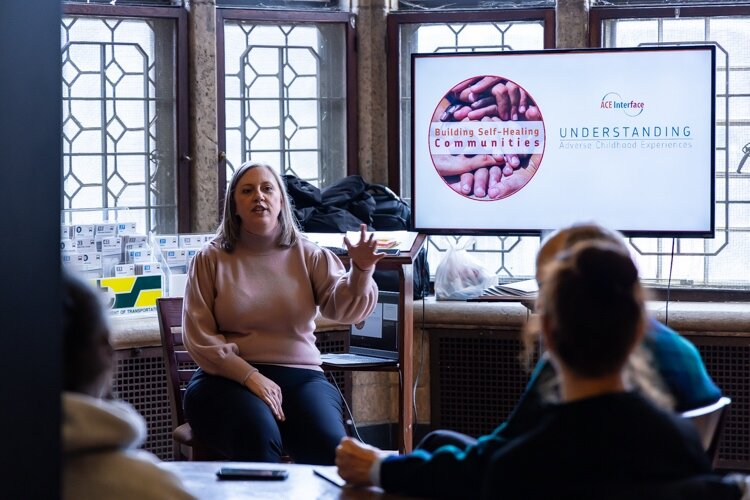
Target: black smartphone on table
{"type": "Point", "coordinates": [239, 473]}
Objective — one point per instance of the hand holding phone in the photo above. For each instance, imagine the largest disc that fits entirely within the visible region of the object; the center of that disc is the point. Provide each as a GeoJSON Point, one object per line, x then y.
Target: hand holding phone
{"type": "Point", "coordinates": [239, 473]}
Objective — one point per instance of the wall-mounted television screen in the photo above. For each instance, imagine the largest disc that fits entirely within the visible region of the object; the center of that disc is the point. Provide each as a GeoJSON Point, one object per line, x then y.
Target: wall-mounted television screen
{"type": "Point", "coordinates": [524, 142]}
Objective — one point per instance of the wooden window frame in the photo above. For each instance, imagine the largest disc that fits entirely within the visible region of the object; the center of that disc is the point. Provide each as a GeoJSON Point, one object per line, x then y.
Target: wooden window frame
{"type": "Point", "coordinates": [182, 127]}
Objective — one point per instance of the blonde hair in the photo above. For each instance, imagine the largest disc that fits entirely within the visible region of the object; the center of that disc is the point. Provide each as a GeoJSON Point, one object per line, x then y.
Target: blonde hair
{"type": "Point", "coordinates": [229, 229]}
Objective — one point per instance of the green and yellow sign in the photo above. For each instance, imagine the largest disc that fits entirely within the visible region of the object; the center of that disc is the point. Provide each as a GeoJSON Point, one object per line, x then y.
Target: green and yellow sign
{"type": "Point", "coordinates": [131, 292]}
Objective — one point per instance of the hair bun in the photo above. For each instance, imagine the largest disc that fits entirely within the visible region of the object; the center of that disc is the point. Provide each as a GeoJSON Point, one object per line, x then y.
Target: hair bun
{"type": "Point", "coordinates": [605, 267]}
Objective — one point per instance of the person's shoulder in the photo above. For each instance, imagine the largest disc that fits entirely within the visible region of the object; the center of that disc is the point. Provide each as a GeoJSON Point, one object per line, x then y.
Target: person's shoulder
{"type": "Point", "coordinates": [306, 244]}
{"type": "Point", "coordinates": [211, 250]}
{"type": "Point", "coordinates": [212, 246]}
{"type": "Point", "coordinates": [120, 474]}
{"type": "Point", "coordinates": [657, 328]}
{"type": "Point", "coordinates": [150, 477]}
{"type": "Point", "coordinates": [660, 336]}
{"type": "Point", "coordinates": [311, 249]}
{"type": "Point", "coordinates": [125, 474]}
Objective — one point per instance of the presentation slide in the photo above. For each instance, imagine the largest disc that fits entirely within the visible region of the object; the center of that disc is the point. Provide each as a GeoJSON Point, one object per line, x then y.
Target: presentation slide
{"type": "Point", "coordinates": [526, 142]}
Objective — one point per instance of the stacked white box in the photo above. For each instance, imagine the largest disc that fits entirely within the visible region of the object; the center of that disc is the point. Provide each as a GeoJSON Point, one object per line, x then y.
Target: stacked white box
{"type": "Point", "coordinates": [126, 228]}
{"type": "Point", "coordinates": [189, 254]}
{"type": "Point", "coordinates": [109, 244]}
{"type": "Point", "coordinates": [139, 256]}
{"type": "Point", "coordinates": [111, 250]}
{"type": "Point", "coordinates": [133, 239]}
{"type": "Point", "coordinates": [175, 259]}
{"type": "Point", "coordinates": [167, 241]}
{"type": "Point", "coordinates": [190, 240]}
{"type": "Point", "coordinates": [105, 229]}
{"type": "Point", "coordinates": [90, 261]}
{"type": "Point", "coordinates": [67, 246]}
{"type": "Point", "coordinates": [88, 265]}
{"type": "Point", "coordinates": [147, 268]}
{"type": "Point", "coordinates": [132, 242]}
{"type": "Point", "coordinates": [82, 231]}
{"type": "Point", "coordinates": [84, 245]}
{"type": "Point", "coordinates": [122, 270]}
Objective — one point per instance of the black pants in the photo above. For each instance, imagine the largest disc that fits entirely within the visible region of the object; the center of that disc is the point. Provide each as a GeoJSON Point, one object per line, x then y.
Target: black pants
{"type": "Point", "coordinates": [228, 417]}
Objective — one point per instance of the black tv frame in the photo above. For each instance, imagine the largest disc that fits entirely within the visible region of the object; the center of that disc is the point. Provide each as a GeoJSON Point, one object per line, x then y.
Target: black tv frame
{"type": "Point", "coordinates": [540, 231]}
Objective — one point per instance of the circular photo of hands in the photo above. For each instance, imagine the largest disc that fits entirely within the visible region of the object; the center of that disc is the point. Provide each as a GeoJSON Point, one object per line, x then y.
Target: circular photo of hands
{"type": "Point", "coordinates": [487, 138]}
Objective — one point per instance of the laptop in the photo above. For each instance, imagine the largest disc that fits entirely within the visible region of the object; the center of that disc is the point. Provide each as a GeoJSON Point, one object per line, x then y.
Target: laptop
{"type": "Point", "coordinates": [374, 343]}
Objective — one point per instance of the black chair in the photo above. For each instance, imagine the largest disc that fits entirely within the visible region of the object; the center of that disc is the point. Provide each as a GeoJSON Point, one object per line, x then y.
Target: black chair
{"type": "Point", "coordinates": [709, 421]}
{"type": "Point", "coordinates": [180, 368]}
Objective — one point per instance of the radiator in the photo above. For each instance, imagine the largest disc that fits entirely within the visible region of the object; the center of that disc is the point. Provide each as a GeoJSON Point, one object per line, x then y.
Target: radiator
{"type": "Point", "coordinates": [141, 380]}
{"type": "Point", "coordinates": [727, 359]}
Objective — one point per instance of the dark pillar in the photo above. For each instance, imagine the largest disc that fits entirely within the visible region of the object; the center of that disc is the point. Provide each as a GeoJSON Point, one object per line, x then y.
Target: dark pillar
{"type": "Point", "coordinates": [30, 200]}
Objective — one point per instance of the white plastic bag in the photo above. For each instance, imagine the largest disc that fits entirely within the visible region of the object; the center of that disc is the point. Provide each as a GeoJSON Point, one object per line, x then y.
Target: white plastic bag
{"type": "Point", "coordinates": [459, 276]}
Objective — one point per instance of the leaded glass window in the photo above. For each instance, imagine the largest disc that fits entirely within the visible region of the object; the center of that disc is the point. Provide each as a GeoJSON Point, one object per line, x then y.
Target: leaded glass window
{"type": "Point", "coordinates": [285, 97]}
{"type": "Point", "coordinates": [721, 261]}
{"type": "Point", "coordinates": [119, 121]}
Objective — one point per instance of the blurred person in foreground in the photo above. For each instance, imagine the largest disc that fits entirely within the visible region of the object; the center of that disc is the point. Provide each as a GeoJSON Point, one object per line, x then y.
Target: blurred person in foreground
{"type": "Point", "coordinates": [455, 462]}
{"type": "Point", "coordinates": [100, 437]}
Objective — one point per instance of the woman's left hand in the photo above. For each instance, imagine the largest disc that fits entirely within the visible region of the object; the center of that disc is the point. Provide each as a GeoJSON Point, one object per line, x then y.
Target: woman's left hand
{"type": "Point", "coordinates": [363, 254]}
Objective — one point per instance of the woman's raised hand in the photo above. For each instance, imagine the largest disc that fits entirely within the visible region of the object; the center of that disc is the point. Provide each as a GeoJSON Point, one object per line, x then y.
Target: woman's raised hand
{"type": "Point", "coordinates": [363, 254]}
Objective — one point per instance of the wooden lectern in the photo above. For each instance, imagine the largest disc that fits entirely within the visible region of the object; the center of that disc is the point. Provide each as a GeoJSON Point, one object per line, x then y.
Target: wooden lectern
{"type": "Point", "coordinates": [403, 264]}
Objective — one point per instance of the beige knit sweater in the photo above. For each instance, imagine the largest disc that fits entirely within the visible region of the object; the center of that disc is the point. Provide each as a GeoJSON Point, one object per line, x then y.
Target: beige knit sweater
{"type": "Point", "coordinates": [258, 304]}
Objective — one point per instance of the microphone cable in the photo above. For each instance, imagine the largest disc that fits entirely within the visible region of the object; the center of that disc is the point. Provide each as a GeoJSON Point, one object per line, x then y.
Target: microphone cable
{"type": "Point", "coordinates": [348, 410]}
{"type": "Point", "coordinates": [669, 285]}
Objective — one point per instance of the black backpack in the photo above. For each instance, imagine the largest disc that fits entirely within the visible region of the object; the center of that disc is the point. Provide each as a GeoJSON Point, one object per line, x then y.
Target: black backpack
{"type": "Point", "coordinates": [349, 202]}
{"type": "Point", "coordinates": [391, 212]}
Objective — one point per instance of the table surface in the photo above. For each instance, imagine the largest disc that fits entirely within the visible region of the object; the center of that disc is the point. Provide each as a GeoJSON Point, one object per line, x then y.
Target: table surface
{"type": "Point", "coordinates": [200, 479]}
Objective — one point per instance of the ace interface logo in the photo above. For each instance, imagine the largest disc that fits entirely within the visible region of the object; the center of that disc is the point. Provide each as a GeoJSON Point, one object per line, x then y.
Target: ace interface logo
{"type": "Point", "coordinates": [615, 102]}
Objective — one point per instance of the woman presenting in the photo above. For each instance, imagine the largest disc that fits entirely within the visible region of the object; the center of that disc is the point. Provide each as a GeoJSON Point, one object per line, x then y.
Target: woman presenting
{"type": "Point", "coordinates": [250, 304]}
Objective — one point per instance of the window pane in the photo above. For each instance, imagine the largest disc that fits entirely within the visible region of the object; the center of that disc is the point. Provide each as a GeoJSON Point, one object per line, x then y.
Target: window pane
{"type": "Point", "coordinates": [119, 131]}
{"type": "Point", "coordinates": [658, 3]}
{"type": "Point", "coordinates": [471, 4]}
{"type": "Point", "coordinates": [286, 98]}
